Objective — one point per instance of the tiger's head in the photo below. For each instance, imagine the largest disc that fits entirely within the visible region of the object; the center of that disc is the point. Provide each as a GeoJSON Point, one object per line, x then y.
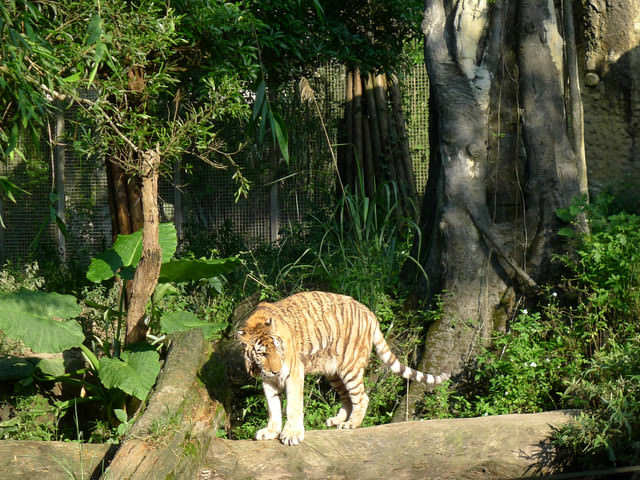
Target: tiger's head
{"type": "Point", "coordinates": [263, 348]}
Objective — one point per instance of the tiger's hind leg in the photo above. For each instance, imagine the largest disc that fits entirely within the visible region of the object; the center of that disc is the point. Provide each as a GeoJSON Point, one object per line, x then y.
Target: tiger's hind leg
{"type": "Point", "coordinates": [359, 400]}
{"type": "Point", "coordinates": [345, 410]}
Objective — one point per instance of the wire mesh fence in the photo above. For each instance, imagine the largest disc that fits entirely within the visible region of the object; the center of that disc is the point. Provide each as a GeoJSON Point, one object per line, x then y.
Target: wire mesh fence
{"type": "Point", "coordinates": [202, 200]}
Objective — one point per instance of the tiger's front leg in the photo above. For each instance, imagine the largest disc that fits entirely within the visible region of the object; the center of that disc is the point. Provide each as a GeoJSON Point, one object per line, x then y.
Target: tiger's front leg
{"type": "Point", "coordinates": [293, 431]}
{"type": "Point", "coordinates": [274, 425]}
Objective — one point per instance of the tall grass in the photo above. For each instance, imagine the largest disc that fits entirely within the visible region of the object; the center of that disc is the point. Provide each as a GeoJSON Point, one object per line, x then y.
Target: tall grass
{"type": "Point", "coordinates": [365, 244]}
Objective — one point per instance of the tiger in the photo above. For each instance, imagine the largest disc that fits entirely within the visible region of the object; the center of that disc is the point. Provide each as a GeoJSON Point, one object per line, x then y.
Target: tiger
{"type": "Point", "coordinates": [315, 332]}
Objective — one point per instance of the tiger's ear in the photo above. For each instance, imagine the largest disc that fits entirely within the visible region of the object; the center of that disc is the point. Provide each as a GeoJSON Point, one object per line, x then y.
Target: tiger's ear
{"type": "Point", "coordinates": [268, 322]}
{"type": "Point", "coordinates": [240, 334]}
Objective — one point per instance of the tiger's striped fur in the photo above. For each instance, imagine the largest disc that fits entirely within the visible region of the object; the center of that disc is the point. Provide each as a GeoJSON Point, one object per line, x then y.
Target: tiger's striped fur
{"type": "Point", "coordinates": [315, 332]}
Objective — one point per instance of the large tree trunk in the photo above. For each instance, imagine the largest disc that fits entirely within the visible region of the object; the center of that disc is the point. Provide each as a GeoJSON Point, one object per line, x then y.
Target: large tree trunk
{"type": "Point", "coordinates": [501, 165]}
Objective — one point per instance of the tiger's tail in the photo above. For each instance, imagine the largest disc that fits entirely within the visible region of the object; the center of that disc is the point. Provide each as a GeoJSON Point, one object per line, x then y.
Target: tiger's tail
{"type": "Point", "coordinates": [391, 361]}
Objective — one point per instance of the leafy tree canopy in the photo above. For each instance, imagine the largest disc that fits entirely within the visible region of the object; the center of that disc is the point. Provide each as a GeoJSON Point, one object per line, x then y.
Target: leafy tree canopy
{"type": "Point", "coordinates": [297, 36]}
{"type": "Point", "coordinates": [170, 73]}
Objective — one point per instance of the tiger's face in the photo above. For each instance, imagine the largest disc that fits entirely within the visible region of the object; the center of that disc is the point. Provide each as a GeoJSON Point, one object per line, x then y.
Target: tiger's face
{"type": "Point", "coordinates": [263, 349]}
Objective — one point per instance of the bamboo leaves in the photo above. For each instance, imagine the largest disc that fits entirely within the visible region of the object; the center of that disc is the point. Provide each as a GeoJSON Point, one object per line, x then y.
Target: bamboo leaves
{"type": "Point", "coordinates": [264, 117]}
{"type": "Point", "coordinates": [97, 41]}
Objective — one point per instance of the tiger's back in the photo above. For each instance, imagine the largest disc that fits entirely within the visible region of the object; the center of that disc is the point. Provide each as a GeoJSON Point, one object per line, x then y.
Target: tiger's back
{"type": "Point", "coordinates": [330, 331]}
{"type": "Point", "coordinates": [317, 332]}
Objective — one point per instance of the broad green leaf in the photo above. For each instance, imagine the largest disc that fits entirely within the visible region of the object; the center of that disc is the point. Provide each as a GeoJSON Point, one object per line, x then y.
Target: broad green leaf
{"type": "Point", "coordinates": [566, 232]}
{"type": "Point", "coordinates": [280, 134]}
{"type": "Point", "coordinates": [185, 269]}
{"type": "Point", "coordinates": [126, 252]}
{"type": "Point", "coordinates": [168, 241]}
{"type": "Point", "coordinates": [134, 373]}
{"type": "Point", "coordinates": [53, 367]}
{"type": "Point", "coordinates": [163, 290]}
{"type": "Point", "coordinates": [120, 415]}
{"type": "Point", "coordinates": [181, 321]}
{"type": "Point", "coordinates": [15, 369]}
{"type": "Point", "coordinates": [29, 317]}
{"type": "Point", "coordinates": [104, 266]}
{"type": "Point", "coordinates": [260, 98]}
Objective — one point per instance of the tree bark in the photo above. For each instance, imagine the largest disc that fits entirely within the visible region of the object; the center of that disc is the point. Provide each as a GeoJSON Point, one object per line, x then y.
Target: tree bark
{"type": "Point", "coordinates": [120, 200]}
{"type": "Point", "coordinates": [135, 203]}
{"type": "Point", "coordinates": [501, 165]}
{"type": "Point", "coordinates": [148, 271]}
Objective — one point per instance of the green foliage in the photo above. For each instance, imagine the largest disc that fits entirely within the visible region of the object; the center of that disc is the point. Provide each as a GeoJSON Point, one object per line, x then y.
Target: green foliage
{"type": "Point", "coordinates": [29, 317]}
{"type": "Point", "coordinates": [578, 349]}
{"type": "Point", "coordinates": [134, 372]}
{"type": "Point", "coordinates": [35, 419]}
{"type": "Point", "coordinates": [168, 77]}
{"type": "Point", "coordinates": [112, 372]}
{"type": "Point", "coordinates": [535, 359]}
{"type": "Point", "coordinates": [181, 320]}
{"type": "Point", "coordinates": [23, 44]}
{"type": "Point", "coordinates": [126, 253]}
{"type": "Point", "coordinates": [296, 37]}
{"type": "Point", "coordinates": [13, 279]}
{"type": "Point", "coordinates": [608, 391]}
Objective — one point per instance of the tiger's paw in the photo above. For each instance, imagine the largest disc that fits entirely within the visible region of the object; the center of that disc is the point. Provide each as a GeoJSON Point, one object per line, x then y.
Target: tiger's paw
{"type": "Point", "coordinates": [348, 425]}
{"type": "Point", "coordinates": [267, 434]}
{"type": "Point", "coordinates": [336, 421]}
{"type": "Point", "coordinates": [291, 435]}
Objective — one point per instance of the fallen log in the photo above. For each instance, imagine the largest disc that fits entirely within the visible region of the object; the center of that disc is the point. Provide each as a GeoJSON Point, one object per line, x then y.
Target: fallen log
{"type": "Point", "coordinates": [51, 460]}
{"type": "Point", "coordinates": [507, 446]}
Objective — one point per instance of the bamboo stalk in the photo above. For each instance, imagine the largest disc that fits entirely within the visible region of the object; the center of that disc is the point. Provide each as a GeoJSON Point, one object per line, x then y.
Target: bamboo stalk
{"type": "Point", "coordinates": [358, 135]}
{"type": "Point", "coordinates": [348, 150]}
{"type": "Point", "coordinates": [404, 158]}
{"type": "Point", "coordinates": [382, 109]}
{"type": "Point", "coordinates": [368, 170]}
{"type": "Point", "coordinates": [374, 129]}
